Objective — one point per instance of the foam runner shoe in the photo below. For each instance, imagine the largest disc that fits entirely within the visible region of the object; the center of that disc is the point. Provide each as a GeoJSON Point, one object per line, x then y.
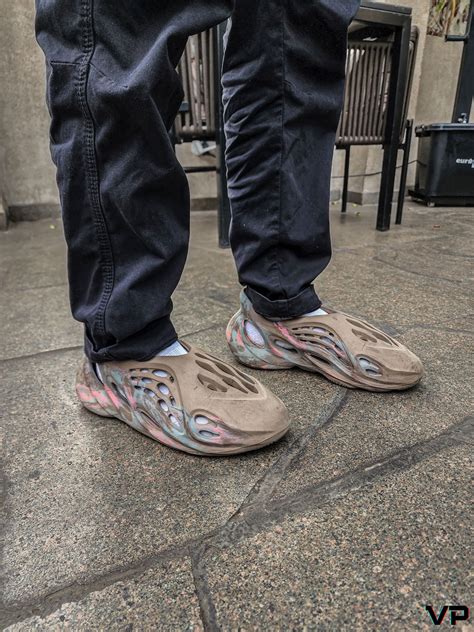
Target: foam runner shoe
{"type": "Point", "coordinates": [344, 349]}
{"type": "Point", "coordinates": [192, 402]}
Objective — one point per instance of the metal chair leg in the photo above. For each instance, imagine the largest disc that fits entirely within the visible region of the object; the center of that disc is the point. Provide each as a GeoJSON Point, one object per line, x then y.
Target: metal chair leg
{"type": "Point", "coordinates": [345, 185]}
{"type": "Point", "coordinates": [398, 82]}
{"type": "Point", "coordinates": [404, 171]}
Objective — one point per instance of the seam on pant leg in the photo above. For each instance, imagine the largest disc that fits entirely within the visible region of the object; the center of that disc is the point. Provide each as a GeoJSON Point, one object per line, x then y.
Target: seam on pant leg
{"type": "Point", "coordinates": [282, 145]}
{"type": "Point", "coordinates": [92, 172]}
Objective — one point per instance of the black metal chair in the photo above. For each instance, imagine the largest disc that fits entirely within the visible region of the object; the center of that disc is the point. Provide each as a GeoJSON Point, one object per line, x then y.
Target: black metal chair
{"type": "Point", "coordinates": [366, 98]}
{"type": "Point", "coordinates": [197, 118]}
{"type": "Point", "coordinates": [200, 117]}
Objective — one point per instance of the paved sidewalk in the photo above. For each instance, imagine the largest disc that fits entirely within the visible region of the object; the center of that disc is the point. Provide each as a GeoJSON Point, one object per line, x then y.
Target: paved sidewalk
{"type": "Point", "coordinates": [356, 520]}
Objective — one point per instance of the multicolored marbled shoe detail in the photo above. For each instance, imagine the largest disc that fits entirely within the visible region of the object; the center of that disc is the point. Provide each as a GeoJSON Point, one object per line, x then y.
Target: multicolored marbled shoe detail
{"type": "Point", "coordinates": [346, 350]}
{"type": "Point", "coordinates": [151, 397]}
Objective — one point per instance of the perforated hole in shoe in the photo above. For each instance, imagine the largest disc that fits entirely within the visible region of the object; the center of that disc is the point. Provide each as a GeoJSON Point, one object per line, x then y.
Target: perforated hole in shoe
{"type": "Point", "coordinates": [284, 345]}
{"type": "Point", "coordinates": [207, 434]}
{"type": "Point", "coordinates": [364, 336]}
{"type": "Point", "coordinates": [220, 377]}
{"type": "Point", "coordinates": [321, 338]}
{"type": "Point", "coordinates": [223, 368]}
{"type": "Point", "coordinates": [211, 384]}
{"type": "Point", "coordinates": [150, 382]}
{"type": "Point", "coordinates": [174, 421]}
{"type": "Point", "coordinates": [249, 381]}
{"type": "Point", "coordinates": [369, 367]}
{"type": "Point", "coordinates": [254, 334]}
{"type": "Point", "coordinates": [327, 340]}
{"type": "Point", "coordinates": [322, 332]}
{"type": "Point", "coordinates": [164, 390]}
{"type": "Point", "coordinates": [119, 392]}
{"type": "Point", "coordinates": [201, 420]}
{"type": "Point", "coordinates": [371, 330]}
{"type": "Point", "coordinates": [160, 373]}
{"type": "Point", "coordinates": [231, 382]}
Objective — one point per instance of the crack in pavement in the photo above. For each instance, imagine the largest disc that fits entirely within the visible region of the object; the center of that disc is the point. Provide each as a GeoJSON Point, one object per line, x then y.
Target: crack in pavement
{"type": "Point", "coordinates": [251, 520]}
{"type": "Point", "coordinates": [258, 494]}
{"type": "Point", "coordinates": [59, 350]}
{"type": "Point", "coordinates": [433, 277]}
{"type": "Point", "coordinates": [41, 353]}
{"type": "Point", "coordinates": [440, 327]}
{"type": "Point", "coordinates": [263, 488]}
{"type": "Point", "coordinates": [206, 603]}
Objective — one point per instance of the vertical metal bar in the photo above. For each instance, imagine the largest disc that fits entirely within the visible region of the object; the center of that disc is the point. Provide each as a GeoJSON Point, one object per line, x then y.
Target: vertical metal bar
{"type": "Point", "coordinates": [374, 104]}
{"type": "Point", "coordinates": [398, 81]}
{"type": "Point", "coordinates": [465, 89]}
{"type": "Point", "coordinates": [191, 82]}
{"type": "Point", "coordinates": [357, 95]}
{"type": "Point", "coordinates": [206, 78]}
{"type": "Point", "coordinates": [365, 90]}
{"type": "Point", "coordinates": [367, 78]}
{"type": "Point", "coordinates": [352, 95]}
{"type": "Point", "coordinates": [212, 82]}
{"type": "Point", "coordinates": [198, 83]}
{"type": "Point", "coordinates": [187, 92]}
{"type": "Point", "coordinates": [404, 171]}
{"type": "Point", "coordinates": [386, 75]}
{"type": "Point", "coordinates": [345, 185]}
{"type": "Point", "coordinates": [347, 92]}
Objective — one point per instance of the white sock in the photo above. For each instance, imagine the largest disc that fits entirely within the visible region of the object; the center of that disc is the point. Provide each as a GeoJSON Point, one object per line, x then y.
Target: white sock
{"type": "Point", "coordinates": [317, 312]}
{"type": "Point", "coordinates": [176, 349]}
{"type": "Point", "coordinates": [98, 372]}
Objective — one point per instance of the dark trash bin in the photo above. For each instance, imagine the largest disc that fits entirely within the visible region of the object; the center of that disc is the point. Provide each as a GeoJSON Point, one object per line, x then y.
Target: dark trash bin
{"type": "Point", "coordinates": [445, 165]}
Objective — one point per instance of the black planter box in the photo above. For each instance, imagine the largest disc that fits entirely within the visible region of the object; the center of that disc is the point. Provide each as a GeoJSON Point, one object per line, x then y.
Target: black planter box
{"type": "Point", "coordinates": [445, 169]}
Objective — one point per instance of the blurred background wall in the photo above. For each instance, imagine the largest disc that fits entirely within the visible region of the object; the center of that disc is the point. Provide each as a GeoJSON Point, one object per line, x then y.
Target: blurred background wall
{"type": "Point", "coordinates": [27, 177]}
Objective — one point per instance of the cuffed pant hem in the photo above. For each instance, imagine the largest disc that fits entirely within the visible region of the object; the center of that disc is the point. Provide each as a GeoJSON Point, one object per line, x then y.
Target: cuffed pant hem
{"type": "Point", "coordinates": [284, 309]}
{"type": "Point", "coordinates": [141, 347]}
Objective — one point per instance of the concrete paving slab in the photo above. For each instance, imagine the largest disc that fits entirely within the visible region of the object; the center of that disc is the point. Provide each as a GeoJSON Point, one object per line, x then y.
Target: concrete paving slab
{"type": "Point", "coordinates": [25, 235]}
{"type": "Point", "coordinates": [367, 561]}
{"type": "Point", "coordinates": [91, 502]}
{"type": "Point", "coordinates": [162, 598]}
{"type": "Point", "coordinates": [87, 495]}
{"type": "Point", "coordinates": [437, 259]}
{"type": "Point", "coordinates": [372, 425]}
{"type": "Point", "coordinates": [384, 294]}
{"type": "Point", "coordinates": [80, 484]}
{"type": "Point", "coordinates": [32, 255]}
{"type": "Point", "coordinates": [37, 320]}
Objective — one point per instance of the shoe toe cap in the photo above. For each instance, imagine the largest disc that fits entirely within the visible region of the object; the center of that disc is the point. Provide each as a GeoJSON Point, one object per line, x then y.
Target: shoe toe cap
{"type": "Point", "coordinates": [250, 422]}
{"type": "Point", "coordinates": [398, 367]}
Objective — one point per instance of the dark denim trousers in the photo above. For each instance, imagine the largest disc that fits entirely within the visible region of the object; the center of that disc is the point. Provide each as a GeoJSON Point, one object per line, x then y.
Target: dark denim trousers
{"type": "Point", "coordinates": [113, 94]}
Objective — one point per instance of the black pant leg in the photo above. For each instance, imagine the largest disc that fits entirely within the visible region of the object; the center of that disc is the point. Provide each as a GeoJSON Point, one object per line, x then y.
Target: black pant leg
{"type": "Point", "coordinates": [283, 91]}
{"type": "Point", "coordinates": [113, 93]}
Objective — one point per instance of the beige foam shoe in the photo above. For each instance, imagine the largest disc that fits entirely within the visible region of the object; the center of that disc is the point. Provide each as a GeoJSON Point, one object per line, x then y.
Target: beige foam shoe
{"type": "Point", "coordinates": [193, 402]}
{"type": "Point", "coordinates": [344, 349]}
